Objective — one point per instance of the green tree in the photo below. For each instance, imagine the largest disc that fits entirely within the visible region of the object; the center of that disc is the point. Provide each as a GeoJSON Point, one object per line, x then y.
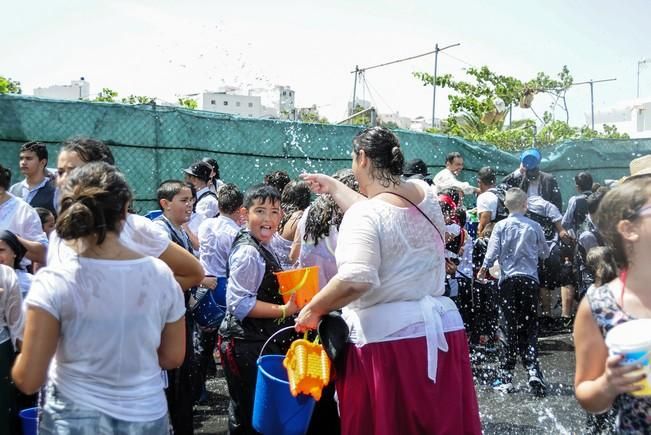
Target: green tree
{"type": "Point", "coordinates": [313, 117]}
{"type": "Point", "coordinates": [137, 99]}
{"type": "Point", "coordinates": [106, 95]}
{"type": "Point", "coordinates": [9, 86]}
{"type": "Point", "coordinates": [364, 119]}
{"type": "Point", "coordinates": [188, 103]}
{"type": "Point", "coordinates": [479, 107]}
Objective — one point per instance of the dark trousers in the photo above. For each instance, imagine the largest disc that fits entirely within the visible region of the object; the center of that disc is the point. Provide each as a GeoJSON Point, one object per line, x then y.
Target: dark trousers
{"type": "Point", "coordinates": [239, 359]}
{"type": "Point", "coordinates": [485, 311]}
{"type": "Point", "coordinates": [519, 322]}
{"type": "Point", "coordinates": [464, 301]}
{"type": "Point", "coordinates": [204, 361]}
{"type": "Point", "coordinates": [179, 387]}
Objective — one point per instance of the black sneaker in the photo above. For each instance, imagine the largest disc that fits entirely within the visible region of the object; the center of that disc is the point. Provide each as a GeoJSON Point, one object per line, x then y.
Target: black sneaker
{"type": "Point", "coordinates": [537, 384]}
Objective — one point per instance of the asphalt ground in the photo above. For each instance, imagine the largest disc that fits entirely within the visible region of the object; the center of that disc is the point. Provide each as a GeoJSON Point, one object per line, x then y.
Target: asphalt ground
{"type": "Point", "coordinates": [515, 413]}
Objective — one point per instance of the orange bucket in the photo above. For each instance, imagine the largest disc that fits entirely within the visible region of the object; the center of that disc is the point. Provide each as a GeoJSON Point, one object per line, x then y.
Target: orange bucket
{"type": "Point", "coordinates": [303, 282]}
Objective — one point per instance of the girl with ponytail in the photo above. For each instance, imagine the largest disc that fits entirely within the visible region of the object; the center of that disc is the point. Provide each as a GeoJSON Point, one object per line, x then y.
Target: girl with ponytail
{"type": "Point", "coordinates": [107, 318]}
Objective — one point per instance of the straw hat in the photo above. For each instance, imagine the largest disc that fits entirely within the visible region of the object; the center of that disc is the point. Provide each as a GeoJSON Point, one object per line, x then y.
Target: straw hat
{"type": "Point", "coordinates": [640, 166]}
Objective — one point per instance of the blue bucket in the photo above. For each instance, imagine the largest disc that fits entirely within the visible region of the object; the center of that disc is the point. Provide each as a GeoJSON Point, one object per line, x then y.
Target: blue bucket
{"type": "Point", "coordinates": [29, 421]}
{"type": "Point", "coordinates": [210, 308]}
{"type": "Point", "coordinates": [275, 410]}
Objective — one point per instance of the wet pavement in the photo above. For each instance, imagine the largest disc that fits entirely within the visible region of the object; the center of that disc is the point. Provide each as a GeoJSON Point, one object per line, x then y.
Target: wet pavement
{"type": "Point", "coordinates": [516, 413]}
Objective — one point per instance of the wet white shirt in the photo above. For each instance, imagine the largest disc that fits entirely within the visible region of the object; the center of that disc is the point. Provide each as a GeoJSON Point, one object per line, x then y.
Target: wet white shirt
{"type": "Point", "coordinates": [21, 219]}
{"type": "Point", "coordinates": [11, 301]}
{"type": "Point", "coordinates": [138, 234]}
{"type": "Point", "coordinates": [320, 254]}
{"type": "Point", "coordinates": [112, 314]}
{"type": "Point", "coordinates": [445, 179]}
{"type": "Point", "coordinates": [207, 207]}
{"type": "Point", "coordinates": [216, 236]}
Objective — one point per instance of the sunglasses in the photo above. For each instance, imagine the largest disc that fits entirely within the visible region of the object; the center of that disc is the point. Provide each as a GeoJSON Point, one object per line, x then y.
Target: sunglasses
{"type": "Point", "coordinates": [642, 212]}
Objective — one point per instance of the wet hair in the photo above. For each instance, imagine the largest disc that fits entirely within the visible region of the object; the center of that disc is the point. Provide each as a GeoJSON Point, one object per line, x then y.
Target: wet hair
{"type": "Point", "coordinates": [94, 199]}
{"type": "Point", "coordinates": [515, 199]}
{"type": "Point", "coordinates": [453, 155]}
{"type": "Point", "coordinates": [295, 197]}
{"type": "Point", "coordinates": [215, 167]}
{"type": "Point", "coordinates": [486, 176]}
{"type": "Point", "coordinates": [12, 241]}
{"type": "Point", "coordinates": [37, 148]}
{"type": "Point", "coordinates": [277, 179]}
{"type": "Point", "coordinates": [43, 214]}
{"type": "Point", "coordinates": [325, 213]}
{"type": "Point", "coordinates": [623, 202]}
{"type": "Point", "coordinates": [5, 177]}
{"type": "Point", "coordinates": [89, 150]}
{"type": "Point", "coordinates": [168, 189]}
{"type": "Point", "coordinates": [601, 261]}
{"type": "Point", "coordinates": [230, 198]}
{"type": "Point", "coordinates": [593, 200]}
{"type": "Point", "coordinates": [583, 181]}
{"type": "Point", "coordinates": [382, 147]}
{"type": "Point", "coordinates": [262, 193]}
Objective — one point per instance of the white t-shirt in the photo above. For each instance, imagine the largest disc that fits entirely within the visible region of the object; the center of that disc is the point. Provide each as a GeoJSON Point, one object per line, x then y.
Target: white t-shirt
{"type": "Point", "coordinates": [138, 234]}
{"type": "Point", "coordinates": [207, 207]}
{"type": "Point", "coordinates": [112, 314]}
{"type": "Point", "coordinates": [21, 219]}
{"type": "Point", "coordinates": [320, 254]}
{"type": "Point", "coordinates": [487, 201]}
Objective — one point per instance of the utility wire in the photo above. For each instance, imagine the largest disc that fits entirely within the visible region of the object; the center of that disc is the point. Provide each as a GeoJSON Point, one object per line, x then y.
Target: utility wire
{"type": "Point", "coordinates": [392, 62]}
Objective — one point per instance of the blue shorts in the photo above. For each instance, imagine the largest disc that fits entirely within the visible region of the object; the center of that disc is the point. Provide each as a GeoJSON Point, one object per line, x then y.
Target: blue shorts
{"type": "Point", "coordinates": [61, 416]}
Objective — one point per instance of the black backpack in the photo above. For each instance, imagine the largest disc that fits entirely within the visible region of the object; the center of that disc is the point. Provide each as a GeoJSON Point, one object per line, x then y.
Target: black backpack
{"type": "Point", "coordinates": [207, 193]}
{"type": "Point", "coordinates": [500, 192]}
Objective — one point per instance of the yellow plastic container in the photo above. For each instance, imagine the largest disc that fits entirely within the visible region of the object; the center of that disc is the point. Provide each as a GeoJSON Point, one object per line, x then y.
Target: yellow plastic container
{"type": "Point", "coordinates": [308, 368]}
{"type": "Point", "coordinates": [303, 282]}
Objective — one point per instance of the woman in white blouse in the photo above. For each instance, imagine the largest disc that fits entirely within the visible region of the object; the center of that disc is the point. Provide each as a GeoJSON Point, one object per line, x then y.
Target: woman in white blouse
{"type": "Point", "coordinates": [406, 368]}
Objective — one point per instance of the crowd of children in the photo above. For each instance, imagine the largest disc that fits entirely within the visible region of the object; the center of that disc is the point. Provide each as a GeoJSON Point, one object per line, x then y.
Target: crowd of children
{"type": "Point", "coordinates": [116, 304]}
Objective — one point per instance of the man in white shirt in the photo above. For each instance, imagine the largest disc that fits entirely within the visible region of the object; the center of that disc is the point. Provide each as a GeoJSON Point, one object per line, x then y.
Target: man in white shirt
{"type": "Point", "coordinates": [447, 177]}
{"type": "Point", "coordinates": [487, 201]}
{"type": "Point", "coordinates": [198, 174]}
{"type": "Point", "coordinates": [37, 189]}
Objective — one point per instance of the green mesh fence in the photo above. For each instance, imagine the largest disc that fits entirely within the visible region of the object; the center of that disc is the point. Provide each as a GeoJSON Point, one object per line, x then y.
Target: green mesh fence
{"type": "Point", "coordinates": [154, 143]}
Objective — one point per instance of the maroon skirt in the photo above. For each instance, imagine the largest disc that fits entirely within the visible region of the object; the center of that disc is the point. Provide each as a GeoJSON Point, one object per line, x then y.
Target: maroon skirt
{"type": "Point", "coordinates": [384, 389]}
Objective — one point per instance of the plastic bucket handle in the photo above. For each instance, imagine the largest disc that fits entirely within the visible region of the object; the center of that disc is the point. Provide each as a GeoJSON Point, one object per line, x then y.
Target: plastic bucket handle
{"type": "Point", "coordinates": [299, 285]}
{"type": "Point", "coordinates": [286, 328]}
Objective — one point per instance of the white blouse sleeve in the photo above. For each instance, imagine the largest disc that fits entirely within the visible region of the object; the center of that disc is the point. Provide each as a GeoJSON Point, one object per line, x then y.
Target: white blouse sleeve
{"type": "Point", "coordinates": [12, 302]}
{"type": "Point", "coordinates": [358, 246]}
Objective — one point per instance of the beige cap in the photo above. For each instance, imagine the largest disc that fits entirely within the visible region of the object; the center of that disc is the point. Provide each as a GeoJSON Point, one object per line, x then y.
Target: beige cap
{"type": "Point", "coordinates": [641, 166]}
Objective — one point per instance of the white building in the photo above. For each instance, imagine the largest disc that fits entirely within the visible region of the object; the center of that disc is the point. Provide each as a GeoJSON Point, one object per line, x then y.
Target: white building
{"type": "Point", "coordinates": [76, 90]}
{"type": "Point", "coordinates": [277, 102]}
{"type": "Point", "coordinates": [420, 124]}
{"type": "Point", "coordinates": [395, 118]}
{"type": "Point", "coordinates": [630, 117]}
{"type": "Point", "coordinates": [225, 101]}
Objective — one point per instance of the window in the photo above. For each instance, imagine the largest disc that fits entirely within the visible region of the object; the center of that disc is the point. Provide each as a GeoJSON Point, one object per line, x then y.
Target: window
{"type": "Point", "coordinates": [284, 93]}
{"type": "Point", "coordinates": [225, 103]}
{"type": "Point", "coordinates": [250, 104]}
{"type": "Point", "coordinates": [237, 103]}
{"type": "Point", "coordinates": [212, 102]}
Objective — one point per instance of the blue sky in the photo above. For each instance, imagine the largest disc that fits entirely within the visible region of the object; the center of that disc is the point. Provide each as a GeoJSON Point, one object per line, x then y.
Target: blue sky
{"type": "Point", "coordinates": [165, 48]}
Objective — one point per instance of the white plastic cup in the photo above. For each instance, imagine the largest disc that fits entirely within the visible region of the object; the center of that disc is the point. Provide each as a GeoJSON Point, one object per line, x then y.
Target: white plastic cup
{"type": "Point", "coordinates": [632, 339]}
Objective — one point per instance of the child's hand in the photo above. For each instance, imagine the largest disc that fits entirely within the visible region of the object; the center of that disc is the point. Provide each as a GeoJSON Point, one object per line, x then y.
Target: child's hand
{"type": "Point", "coordinates": [618, 378]}
{"type": "Point", "coordinates": [290, 307]}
